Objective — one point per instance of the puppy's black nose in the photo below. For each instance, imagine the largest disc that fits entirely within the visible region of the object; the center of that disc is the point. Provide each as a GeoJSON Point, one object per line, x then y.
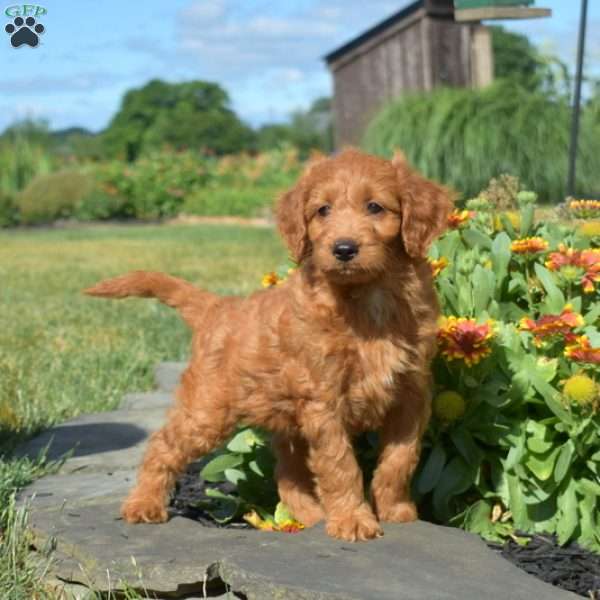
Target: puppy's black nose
{"type": "Point", "coordinates": [345, 250]}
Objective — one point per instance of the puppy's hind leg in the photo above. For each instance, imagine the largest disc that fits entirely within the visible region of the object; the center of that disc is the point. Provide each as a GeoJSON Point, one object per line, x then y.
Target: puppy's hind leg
{"type": "Point", "coordinates": [187, 436]}
{"type": "Point", "coordinates": [295, 482]}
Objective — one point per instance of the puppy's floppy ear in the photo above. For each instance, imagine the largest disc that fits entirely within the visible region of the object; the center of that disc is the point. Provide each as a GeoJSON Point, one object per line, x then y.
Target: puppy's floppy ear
{"type": "Point", "coordinates": [425, 208]}
{"type": "Point", "coordinates": [291, 222]}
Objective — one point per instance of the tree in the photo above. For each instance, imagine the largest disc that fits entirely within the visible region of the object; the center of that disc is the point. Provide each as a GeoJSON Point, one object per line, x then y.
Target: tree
{"type": "Point", "coordinates": [307, 129]}
{"type": "Point", "coordinates": [517, 59]}
{"type": "Point", "coordinates": [194, 114]}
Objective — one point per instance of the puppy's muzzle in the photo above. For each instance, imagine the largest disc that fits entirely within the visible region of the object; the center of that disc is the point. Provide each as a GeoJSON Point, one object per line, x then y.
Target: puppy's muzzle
{"type": "Point", "coordinates": [345, 250]}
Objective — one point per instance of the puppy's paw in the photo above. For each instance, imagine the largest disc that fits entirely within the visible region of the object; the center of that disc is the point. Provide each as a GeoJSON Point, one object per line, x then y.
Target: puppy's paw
{"type": "Point", "coordinates": [309, 515]}
{"type": "Point", "coordinates": [360, 525]}
{"type": "Point", "coordinates": [135, 510]}
{"type": "Point", "coordinates": [401, 512]}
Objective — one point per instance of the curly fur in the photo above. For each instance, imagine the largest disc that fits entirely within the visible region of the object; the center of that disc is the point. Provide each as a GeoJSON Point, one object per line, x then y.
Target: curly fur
{"type": "Point", "coordinates": [341, 347]}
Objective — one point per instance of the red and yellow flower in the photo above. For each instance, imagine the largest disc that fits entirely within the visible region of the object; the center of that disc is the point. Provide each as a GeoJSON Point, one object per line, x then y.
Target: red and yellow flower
{"type": "Point", "coordinates": [530, 245]}
{"type": "Point", "coordinates": [577, 264]}
{"type": "Point", "coordinates": [459, 217]}
{"type": "Point", "coordinates": [548, 326]}
{"type": "Point", "coordinates": [286, 526]}
{"type": "Point", "coordinates": [460, 338]}
{"type": "Point", "coordinates": [438, 265]}
{"type": "Point", "coordinates": [584, 208]}
{"type": "Point", "coordinates": [580, 350]}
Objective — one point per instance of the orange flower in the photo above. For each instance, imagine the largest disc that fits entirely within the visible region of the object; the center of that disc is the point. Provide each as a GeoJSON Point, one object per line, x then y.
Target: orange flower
{"type": "Point", "coordinates": [459, 217]}
{"type": "Point", "coordinates": [437, 266]}
{"type": "Point", "coordinates": [271, 279]}
{"type": "Point", "coordinates": [550, 325]}
{"type": "Point", "coordinates": [573, 264]}
{"type": "Point", "coordinates": [590, 261]}
{"type": "Point", "coordinates": [462, 338]}
{"type": "Point", "coordinates": [286, 526]}
{"type": "Point", "coordinates": [529, 245]}
{"type": "Point", "coordinates": [581, 351]}
{"type": "Point", "coordinates": [584, 208]}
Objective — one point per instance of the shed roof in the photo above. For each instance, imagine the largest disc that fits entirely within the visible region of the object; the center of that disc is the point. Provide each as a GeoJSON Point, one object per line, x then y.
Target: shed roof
{"type": "Point", "coordinates": [433, 6]}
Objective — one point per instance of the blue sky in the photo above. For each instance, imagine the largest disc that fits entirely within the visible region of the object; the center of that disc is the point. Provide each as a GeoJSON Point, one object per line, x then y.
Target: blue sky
{"type": "Point", "coordinates": [266, 53]}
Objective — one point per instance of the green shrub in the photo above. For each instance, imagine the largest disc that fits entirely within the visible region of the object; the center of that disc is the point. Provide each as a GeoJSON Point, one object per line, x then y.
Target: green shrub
{"type": "Point", "coordinates": [20, 162]}
{"type": "Point", "coordinates": [221, 200]}
{"type": "Point", "coordinates": [53, 196]}
{"type": "Point", "coordinates": [9, 214]}
{"type": "Point", "coordinates": [464, 137]}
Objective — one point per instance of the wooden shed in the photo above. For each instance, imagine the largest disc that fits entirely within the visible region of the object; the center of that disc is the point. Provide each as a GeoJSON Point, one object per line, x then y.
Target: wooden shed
{"type": "Point", "coordinates": [418, 48]}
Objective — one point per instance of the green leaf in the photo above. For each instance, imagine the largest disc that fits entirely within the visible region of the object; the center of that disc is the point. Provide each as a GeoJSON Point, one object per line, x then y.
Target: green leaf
{"type": "Point", "coordinates": [589, 487]}
{"type": "Point", "coordinates": [483, 287]}
{"type": "Point", "coordinates": [568, 520]}
{"type": "Point", "coordinates": [448, 293]}
{"type": "Point", "coordinates": [539, 446]}
{"type": "Point", "coordinates": [432, 469]}
{"type": "Point", "coordinates": [215, 469]}
{"type": "Point", "coordinates": [282, 514]}
{"type": "Point", "coordinates": [234, 476]}
{"type": "Point", "coordinates": [517, 502]}
{"type": "Point", "coordinates": [542, 465]}
{"type": "Point", "coordinates": [475, 238]}
{"type": "Point", "coordinates": [467, 447]}
{"type": "Point", "coordinates": [244, 441]}
{"type": "Point", "coordinates": [563, 462]}
{"type": "Point", "coordinates": [592, 315]}
{"type": "Point", "coordinates": [255, 467]}
{"type": "Point", "coordinates": [457, 477]}
{"type": "Point", "coordinates": [501, 256]}
{"type": "Point", "coordinates": [555, 300]}
{"type": "Point", "coordinates": [224, 508]}
{"type": "Point", "coordinates": [516, 452]}
{"type": "Point", "coordinates": [527, 213]}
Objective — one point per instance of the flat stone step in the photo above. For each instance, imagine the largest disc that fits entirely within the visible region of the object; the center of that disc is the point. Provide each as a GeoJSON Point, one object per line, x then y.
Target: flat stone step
{"type": "Point", "coordinates": [167, 375]}
{"type": "Point", "coordinates": [181, 558]}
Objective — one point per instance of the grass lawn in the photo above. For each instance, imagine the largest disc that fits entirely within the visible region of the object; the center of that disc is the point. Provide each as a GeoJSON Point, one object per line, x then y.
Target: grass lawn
{"type": "Point", "coordinates": [62, 354]}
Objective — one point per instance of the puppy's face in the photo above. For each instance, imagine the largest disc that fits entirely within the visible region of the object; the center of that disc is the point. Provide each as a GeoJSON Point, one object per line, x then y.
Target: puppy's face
{"type": "Point", "coordinates": [355, 213]}
{"type": "Point", "coordinates": [353, 221]}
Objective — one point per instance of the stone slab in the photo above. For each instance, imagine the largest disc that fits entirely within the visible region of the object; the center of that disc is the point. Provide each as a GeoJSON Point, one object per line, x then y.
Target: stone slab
{"type": "Point", "coordinates": [167, 375]}
{"type": "Point", "coordinates": [144, 401]}
{"type": "Point", "coordinates": [98, 442]}
{"type": "Point", "coordinates": [413, 561]}
{"type": "Point", "coordinates": [66, 491]}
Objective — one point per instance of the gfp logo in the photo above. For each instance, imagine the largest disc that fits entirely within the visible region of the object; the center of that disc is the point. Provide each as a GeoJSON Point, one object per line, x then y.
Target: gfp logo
{"type": "Point", "coordinates": [24, 28]}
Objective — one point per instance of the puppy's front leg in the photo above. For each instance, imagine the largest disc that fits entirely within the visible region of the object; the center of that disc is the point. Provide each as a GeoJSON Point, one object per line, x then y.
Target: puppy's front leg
{"type": "Point", "coordinates": [400, 440]}
{"type": "Point", "coordinates": [339, 480]}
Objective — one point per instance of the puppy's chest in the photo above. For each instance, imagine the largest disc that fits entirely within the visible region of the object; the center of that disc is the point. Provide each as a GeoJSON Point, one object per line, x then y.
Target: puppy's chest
{"type": "Point", "coordinates": [373, 376]}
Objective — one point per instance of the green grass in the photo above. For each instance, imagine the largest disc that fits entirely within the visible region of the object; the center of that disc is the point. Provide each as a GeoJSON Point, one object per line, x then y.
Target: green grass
{"type": "Point", "coordinates": [62, 353]}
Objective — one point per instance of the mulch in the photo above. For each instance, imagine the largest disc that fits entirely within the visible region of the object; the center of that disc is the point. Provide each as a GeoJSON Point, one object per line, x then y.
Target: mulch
{"type": "Point", "coordinates": [190, 493]}
{"type": "Point", "coordinates": [571, 567]}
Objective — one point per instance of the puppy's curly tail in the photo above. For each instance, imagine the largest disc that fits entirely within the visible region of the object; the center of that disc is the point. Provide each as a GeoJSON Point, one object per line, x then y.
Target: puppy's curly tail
{"type": "Point", "coordinates": [172, 291]}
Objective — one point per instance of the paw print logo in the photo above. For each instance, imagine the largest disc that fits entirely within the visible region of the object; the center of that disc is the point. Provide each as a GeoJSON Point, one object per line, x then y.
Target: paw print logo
{"type": "Point", "coordinates": [24, 32]}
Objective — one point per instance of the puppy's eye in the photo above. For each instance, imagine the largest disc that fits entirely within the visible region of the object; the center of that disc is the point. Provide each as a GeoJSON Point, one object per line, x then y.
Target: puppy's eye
{"type": "Point", "coordinates": [324, 210]}
{"type": "Point", "coordinates": [373, 208]}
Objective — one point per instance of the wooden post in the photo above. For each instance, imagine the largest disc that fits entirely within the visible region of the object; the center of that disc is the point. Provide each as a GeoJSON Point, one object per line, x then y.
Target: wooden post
{"type": "Point", "coordinates": [577, 101]}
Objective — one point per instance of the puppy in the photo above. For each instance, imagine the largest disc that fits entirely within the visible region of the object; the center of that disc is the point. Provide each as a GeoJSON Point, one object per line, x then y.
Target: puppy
{"type": "Point", "coordinates": [343, 346]}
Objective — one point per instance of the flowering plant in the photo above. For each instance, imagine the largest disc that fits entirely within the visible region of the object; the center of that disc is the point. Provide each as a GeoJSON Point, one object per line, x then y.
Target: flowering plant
{"type": "Point", "coordinates": [514, 443]}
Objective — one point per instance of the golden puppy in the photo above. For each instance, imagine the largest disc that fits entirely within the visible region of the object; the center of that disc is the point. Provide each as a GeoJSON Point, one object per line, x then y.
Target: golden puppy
{"type": "Point", "coordinates": [343, 346]}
